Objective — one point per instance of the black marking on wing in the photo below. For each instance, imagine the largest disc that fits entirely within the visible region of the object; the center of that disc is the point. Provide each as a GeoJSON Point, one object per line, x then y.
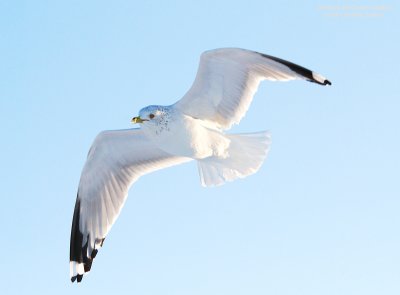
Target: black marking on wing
{"type": "Point", "coordinates": [308, 74]}
{"type": "Point", "coordinates": [78, 251]}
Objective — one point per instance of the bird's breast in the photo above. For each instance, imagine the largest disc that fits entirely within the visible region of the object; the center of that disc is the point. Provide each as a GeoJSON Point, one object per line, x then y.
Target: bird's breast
{"type": "Point", "coordinates": [188, 137]}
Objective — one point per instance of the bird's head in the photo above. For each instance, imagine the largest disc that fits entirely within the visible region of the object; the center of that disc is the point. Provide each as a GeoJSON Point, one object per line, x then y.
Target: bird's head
{"type": "Point", "coordinates": [151, 115]}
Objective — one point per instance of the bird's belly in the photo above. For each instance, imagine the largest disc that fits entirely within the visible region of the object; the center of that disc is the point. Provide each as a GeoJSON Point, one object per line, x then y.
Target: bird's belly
{"type": "Point", "coordinates": [188, 137]}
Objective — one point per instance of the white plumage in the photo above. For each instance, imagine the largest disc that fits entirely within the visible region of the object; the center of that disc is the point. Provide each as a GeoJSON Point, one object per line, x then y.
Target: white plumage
{"type": "Point", "coordinates": [115, 160]}
{"type": "Point", "coordinates": [227, 80]}
{"type": "Point", "coordinates": [190, 129]}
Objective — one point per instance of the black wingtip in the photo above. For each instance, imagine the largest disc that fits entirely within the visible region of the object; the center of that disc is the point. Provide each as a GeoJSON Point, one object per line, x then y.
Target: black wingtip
{"type": "Point", "coordinates": [306, 73]}
{"type": "Point", "coordinates": [78, 251]}
{"type": "Point", "coordinates": [326, 82]}
{"type": "Point", "coordinates": [94, 253]}
{"type": "Point", "coordinates": [79, 278]}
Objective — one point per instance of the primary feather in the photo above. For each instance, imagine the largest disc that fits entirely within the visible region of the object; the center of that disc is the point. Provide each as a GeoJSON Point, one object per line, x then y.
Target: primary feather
{"type": "Point", "coordinates": [227, 80]}
{"type": "Point", "coordinates": [115, 160]}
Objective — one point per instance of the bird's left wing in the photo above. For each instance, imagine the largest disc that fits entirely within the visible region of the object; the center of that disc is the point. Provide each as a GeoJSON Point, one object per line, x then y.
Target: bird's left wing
{"type": "Point", "coordinates": [227, 80]}
{"type": "Point", "coordinates": [115, 160]}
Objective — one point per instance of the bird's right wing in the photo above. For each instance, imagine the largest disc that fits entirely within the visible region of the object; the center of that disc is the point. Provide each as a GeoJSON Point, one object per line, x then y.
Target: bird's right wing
{"type": "Point", "coordinates": [115, 160]}
{"type": "Point", "coordinates": [227, 80]}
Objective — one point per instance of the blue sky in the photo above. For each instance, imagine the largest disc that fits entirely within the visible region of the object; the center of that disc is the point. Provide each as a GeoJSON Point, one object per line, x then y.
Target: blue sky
{"type": "Point", "coordinates": [320, 217]}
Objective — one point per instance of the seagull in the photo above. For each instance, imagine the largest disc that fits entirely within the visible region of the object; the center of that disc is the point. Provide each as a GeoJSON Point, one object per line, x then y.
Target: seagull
{"type": "Point", "coordinates": [190, 129]}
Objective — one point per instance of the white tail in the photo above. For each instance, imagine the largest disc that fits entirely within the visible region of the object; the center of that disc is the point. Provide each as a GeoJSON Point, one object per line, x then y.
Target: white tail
{"type": "Point", "coordinates": [246, 154]}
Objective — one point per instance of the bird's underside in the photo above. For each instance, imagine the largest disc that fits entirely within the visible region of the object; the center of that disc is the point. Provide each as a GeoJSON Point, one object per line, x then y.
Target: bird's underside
{"type": "Point", "coordinates": [225, 84]}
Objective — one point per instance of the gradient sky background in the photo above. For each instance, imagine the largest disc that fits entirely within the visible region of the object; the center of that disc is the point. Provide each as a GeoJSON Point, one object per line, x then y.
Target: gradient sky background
{"type": "Point", "coordinates": [320, 217]}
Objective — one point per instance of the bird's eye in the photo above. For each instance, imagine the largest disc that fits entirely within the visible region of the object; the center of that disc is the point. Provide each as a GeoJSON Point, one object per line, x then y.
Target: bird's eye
{"type": "Point", "coordinates": [151, 116]}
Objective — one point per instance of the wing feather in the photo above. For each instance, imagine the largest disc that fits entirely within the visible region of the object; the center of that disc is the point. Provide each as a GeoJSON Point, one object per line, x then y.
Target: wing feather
{"type": "Point", "coordinates": [227, 80]}
{"type": "Point", "coordinates": [115, 161]}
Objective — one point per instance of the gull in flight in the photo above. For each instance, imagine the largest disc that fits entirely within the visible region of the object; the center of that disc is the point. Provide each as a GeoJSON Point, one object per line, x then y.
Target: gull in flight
{"type": "Point", "coordinates": [190, 129]}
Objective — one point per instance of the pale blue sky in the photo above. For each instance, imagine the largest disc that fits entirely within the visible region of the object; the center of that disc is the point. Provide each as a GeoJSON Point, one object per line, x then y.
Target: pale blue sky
{"type": "Point", "coordinates": [320, 217]}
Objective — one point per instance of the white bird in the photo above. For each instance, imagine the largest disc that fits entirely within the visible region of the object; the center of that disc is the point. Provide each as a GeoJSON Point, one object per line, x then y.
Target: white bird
{"type": "Point", "coordinates": [190, 129]}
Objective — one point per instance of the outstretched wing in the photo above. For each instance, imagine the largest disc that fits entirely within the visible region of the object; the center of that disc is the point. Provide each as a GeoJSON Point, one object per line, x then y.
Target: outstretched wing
{"type": "Point", "coordinates": [227, 80]}
{"type": "Point", "coordinates": [115, 160]}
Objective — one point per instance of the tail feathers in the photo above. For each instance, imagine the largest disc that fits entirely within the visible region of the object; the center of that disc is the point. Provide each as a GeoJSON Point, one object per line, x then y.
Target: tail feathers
{"type": "Point", "coordinates": [246, 152]}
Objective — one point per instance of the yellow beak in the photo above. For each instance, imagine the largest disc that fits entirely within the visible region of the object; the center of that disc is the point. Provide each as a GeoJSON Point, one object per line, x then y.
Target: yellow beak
{"type": "Point", "coordinates": [137, 120]}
